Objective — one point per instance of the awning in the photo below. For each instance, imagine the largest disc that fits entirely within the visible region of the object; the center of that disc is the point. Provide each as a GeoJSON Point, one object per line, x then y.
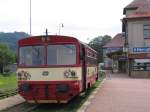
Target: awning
{"type": "Point", "coordinates": [142, 60]}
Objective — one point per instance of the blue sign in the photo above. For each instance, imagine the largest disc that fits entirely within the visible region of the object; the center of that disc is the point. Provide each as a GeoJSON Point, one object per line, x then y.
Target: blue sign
{"type": "Point", "coordinates": [141, 49]}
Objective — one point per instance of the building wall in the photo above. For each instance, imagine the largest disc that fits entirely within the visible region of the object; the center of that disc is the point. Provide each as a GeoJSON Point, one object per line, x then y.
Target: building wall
{"type": "Point", "coordinates": [140, 74]}
{"type": "Point", "coordinates": [136, 35]}
{"type": "Point", "coordinates": [147, 42]}
{"type": "Point", "coordinates": [136, 39]}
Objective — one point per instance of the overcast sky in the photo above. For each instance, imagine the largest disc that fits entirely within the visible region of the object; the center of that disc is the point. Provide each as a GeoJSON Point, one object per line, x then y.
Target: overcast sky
{"type": "Point", "coordinates": [84, 19]}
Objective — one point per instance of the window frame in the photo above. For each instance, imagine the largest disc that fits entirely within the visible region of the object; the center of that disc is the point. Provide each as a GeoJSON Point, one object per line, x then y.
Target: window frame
{"type": "Point", "coordinates": [146, 29]}
{"type": "Point", "coordinates": [45, 57]}
{"type": "Point", "coordinates": [76, 58]}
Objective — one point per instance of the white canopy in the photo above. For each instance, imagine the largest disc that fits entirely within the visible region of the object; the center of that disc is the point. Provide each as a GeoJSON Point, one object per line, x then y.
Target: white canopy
{"type": "Point", "coordinates": [142, 60]}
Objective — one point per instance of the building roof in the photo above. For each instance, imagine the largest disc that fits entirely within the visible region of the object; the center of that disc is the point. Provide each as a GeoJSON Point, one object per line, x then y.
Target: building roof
{"type": "Point", "coordinates": [117, 42]}
{"type": "Point", "coordinates": [135, 4]}
{"type": "Point", "coordinates": [141, 9]}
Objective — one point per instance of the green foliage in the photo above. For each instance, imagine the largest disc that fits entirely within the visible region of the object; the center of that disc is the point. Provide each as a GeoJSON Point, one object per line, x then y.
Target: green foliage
{"type": "Point", "coordinates": [6, 56]}
{"type": "Point", "coordinates": [102, 73]}
{"type": "Point", "coordinates": [97, 44]}
{"type": "Point", "coordinates": [11, 39]}
{"type": "Point", "coordinates": [8, 82]}
{"type": "Point", "coordinates": [8, 47]}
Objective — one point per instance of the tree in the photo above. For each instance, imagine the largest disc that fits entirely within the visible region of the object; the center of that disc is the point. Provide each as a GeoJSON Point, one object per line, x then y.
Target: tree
{"type": "Point", "coordinates": [6, 57]}
{"type": "Point", "coordinates": [97, 44]}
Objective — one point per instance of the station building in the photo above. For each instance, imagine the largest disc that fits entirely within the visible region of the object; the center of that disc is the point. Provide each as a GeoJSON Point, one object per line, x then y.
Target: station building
{"type": "Point", "coordinates": [136, 26]}
{"type": "Point", "coordinates": [115, 58]}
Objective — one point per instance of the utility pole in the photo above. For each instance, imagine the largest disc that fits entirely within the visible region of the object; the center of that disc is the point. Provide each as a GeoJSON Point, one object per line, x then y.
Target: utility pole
{"type": "Point", "coordinates": [30, 19]}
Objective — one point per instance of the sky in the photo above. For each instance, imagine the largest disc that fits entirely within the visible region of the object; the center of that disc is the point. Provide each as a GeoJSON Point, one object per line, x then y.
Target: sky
{"type": "Point", "coordinates": [83, 19]}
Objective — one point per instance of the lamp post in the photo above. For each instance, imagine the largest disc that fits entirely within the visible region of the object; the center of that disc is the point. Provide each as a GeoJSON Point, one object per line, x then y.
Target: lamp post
{"type": "Point", "coordinates": [30, 19]}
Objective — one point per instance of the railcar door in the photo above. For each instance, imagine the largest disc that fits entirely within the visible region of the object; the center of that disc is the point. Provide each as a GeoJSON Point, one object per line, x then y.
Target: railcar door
{"type": "Point", "coordinates": [83, 61]}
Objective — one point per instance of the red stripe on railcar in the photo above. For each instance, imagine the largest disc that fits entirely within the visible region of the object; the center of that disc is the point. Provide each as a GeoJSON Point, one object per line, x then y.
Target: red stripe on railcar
{"type": "Point", "coordinates": [48, 90]}
{"type": "Point", "coordinates": [34, 40]}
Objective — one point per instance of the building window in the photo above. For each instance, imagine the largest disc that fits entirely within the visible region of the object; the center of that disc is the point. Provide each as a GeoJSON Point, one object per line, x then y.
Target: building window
{"type": "Point", "coordinates": [147, 31]}
{"type": "Point", "coordinates": [141, 65]}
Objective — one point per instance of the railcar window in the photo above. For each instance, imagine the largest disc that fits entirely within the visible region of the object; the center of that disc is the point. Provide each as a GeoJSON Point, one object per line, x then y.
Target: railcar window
{"type": "Point", "coordinates": [31, 55]}
{"type": "Point", "coordinates": [61, 54]}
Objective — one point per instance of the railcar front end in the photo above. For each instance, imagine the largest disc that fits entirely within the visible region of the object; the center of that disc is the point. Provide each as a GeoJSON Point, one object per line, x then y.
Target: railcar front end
{"type": "Point", "coordinates": [50, 70]}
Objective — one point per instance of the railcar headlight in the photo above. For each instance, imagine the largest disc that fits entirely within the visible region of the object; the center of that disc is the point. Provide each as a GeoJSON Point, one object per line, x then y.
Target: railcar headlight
{"type": "Point", "coordinates": [62, 88]}
{"type": "Point", "coordinates": [24, 87]}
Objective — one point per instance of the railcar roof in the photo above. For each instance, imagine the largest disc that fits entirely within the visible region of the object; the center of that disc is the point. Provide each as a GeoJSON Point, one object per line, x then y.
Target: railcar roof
{"type": "Point", "coordinates": [31, 39]}
{"type": "Point", "coordinates": [50, 38]}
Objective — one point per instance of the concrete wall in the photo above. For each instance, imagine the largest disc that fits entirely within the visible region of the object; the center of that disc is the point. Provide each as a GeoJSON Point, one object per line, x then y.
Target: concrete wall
{"type": "Point", "coordinates": [140, 74]}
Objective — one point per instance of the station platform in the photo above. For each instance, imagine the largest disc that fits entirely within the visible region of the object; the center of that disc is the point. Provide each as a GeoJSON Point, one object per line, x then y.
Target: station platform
{"type": "Point", "coordinates": [10, 101]}
{"type": "Point", "coordinates": [121, 93]}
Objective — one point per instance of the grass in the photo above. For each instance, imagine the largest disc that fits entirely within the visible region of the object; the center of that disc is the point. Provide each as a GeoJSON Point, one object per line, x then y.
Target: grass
{"type": "Point", "coordinates": [8, 82]}
{"type": "Point", "coordinates": [72, 106]}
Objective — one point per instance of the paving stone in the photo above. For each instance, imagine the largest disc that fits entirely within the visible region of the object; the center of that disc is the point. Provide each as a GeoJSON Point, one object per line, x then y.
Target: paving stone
{"type": "Point", "coordinates": [11, 101]}
{"type": "Point", "coordinates": [122, 94]}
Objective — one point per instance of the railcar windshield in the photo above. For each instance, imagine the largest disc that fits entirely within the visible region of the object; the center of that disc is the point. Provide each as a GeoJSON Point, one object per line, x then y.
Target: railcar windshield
{"type": "Point", "coordinates": [56, 55]}
{"type": "Point", "coordinates": [61, 54]}
{"type": "Point", "coordinates": [31, 55]}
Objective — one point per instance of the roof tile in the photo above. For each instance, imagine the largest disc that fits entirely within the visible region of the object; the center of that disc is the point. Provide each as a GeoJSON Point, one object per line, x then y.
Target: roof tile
{"type": "Point", "coordinates": [117, 41]}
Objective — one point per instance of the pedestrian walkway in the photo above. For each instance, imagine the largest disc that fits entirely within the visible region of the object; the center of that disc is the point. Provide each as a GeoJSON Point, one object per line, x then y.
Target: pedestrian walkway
{"type": "Point", "coordinates": [121, 93]}
{"type": "Point", "coordinates": [10, 102]}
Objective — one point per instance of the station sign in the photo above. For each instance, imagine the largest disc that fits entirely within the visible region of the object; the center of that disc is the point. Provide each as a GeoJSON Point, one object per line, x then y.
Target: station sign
{"type": "Point", "coordinates": [141, 49]}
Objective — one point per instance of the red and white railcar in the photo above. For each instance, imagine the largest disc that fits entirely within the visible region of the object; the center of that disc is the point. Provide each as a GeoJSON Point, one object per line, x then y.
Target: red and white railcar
{"type": "Point", "coordinates": [54, 69]}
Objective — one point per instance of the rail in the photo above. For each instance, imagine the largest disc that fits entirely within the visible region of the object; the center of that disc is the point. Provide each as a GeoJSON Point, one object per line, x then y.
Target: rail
{"type": "Point", "coordinates": [7, 93]}
{"type": "Point", "coordinates": [30, 109]}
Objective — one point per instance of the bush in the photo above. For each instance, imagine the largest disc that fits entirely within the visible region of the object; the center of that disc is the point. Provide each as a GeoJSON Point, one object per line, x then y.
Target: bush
{"type": "Point", "coordinates": [102, 73]}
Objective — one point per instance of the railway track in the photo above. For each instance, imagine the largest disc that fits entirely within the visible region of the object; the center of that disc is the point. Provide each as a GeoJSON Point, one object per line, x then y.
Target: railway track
{"type": "Point", "coordinates": [7, 93]}
{"type": "Point", "coordinates": [23, 107]}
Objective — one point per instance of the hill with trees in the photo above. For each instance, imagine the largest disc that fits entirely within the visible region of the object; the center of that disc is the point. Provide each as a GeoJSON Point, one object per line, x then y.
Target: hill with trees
{"type": "Point", "coordinates": [11, 39]}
